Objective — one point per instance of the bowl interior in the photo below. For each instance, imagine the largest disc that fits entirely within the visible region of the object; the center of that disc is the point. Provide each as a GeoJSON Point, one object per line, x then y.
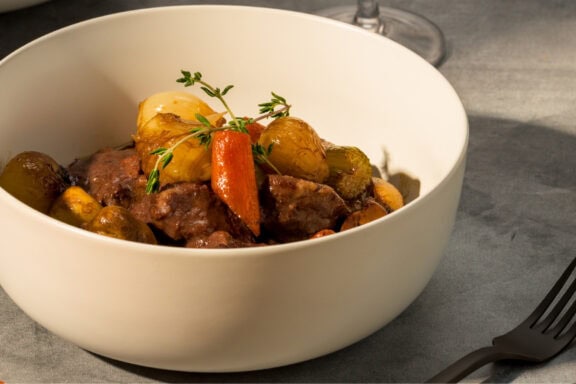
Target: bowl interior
{"type": "Point", "coordinates": [76, 90]}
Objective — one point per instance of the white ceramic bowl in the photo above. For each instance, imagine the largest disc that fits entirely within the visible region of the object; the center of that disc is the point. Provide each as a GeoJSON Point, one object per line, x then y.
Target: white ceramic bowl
{"type": "Point", "coordinates": [12, 5]}
{"type": "Point", "coordinates": [77, 89]}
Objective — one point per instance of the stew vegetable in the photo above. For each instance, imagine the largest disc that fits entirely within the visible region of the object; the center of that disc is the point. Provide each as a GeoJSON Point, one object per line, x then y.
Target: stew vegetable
{"type": "Point", "coordinates": [199, 178]}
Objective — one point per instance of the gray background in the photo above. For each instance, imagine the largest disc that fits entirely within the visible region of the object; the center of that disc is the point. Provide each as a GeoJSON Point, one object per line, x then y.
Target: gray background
{"type": "Point", "coordinates": [513, 62]}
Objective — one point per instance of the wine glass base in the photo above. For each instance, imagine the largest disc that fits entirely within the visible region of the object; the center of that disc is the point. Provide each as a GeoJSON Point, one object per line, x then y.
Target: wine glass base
{"type": "Point", "coordinates": [411, 30]}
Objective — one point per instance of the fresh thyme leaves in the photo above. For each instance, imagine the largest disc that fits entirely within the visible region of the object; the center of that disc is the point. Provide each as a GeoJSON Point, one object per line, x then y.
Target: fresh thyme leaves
{"type": "Point", "coordinates": [165, 156]}
{"type": "Point", "coordinates": [153, 183]}
{"type": "Point", "coordinates": [261, 155]}
{"type": "Point", "coordinates": [203, 120]}
{"type": "Point", "coordinates": [189, 79]}
{"type": "Point", "coordinates": [270, 110]}
{"type": "Point", "coordinates": [275, 108]}
{"type": "Point", "coordinates": [260, 150]}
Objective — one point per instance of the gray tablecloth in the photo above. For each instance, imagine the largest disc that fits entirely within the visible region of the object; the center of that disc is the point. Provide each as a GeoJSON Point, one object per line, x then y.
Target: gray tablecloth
{"type": "Point", "coordinates": [513, 62]}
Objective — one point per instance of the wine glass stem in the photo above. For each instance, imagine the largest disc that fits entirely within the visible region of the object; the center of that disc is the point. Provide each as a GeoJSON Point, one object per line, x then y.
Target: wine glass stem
{"type": "Point", "coordinates": [368, 9]}
{"type": "Point", "coordinates": [368, 15]}
{"type": "Point", "coordinates": [411, 30]}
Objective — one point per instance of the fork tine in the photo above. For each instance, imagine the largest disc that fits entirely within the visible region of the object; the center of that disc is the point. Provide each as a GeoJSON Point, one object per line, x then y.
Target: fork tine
{"type": "Point", "coordinates": [560, 305]}
{"type": "Point", "coordinates": [569, 335]}
{"type": "Point", "coordinates": [550, 296]}
{"type": "Point", "coordinates": [566, 318]}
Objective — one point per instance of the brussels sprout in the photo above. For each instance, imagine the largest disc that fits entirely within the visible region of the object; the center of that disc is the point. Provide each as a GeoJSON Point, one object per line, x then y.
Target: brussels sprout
{"type": "Point", "coordinates": [350, 170]}
{"type": "Point", "coordinates": [118, 222]}
{"type": "Point", "coordinates": [296, 149]}
{"type": "Point", "coordinates": [35, 179]}
{"type": "Point", "coordinates": [75, 207]}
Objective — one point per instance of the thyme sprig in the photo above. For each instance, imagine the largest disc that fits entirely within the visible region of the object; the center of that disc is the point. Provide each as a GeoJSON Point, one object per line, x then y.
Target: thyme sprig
{"type": "Point", "coordinates": [165, 155]}
{"type": "Point", "coordinates": [189, 79]}
{"type": "Point", "coordinates": [275, 108]}
{"type": "Point", "coordinates": [270, 108]}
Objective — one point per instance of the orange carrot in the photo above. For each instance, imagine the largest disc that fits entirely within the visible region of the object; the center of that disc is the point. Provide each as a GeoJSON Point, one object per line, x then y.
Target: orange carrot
{"type": "Point", "coordinates": [234, 176]}
{"type": "Point", "coordinates": [255, 130]}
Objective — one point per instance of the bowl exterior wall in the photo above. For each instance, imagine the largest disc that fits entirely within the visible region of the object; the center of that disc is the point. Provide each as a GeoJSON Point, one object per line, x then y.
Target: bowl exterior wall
{"type": "Point", "coordinates": [216, 313]}
{"type": "Point", "coordinates": [227, 310]}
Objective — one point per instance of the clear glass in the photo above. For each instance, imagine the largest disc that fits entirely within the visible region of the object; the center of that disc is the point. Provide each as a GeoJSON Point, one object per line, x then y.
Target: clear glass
{"type": "Point", "coordinates": [411, 30]}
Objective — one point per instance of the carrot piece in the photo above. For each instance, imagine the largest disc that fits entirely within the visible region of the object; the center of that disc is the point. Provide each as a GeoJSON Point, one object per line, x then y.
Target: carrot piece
{"type": "Point", "coordinates": [234, 176]}
{"type": "Point", "coordinates": [255, 130]}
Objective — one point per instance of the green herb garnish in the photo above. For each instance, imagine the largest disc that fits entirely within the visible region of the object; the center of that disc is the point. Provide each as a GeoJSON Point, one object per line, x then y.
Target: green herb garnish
{"type": "Point", "coordinates": [275, 108]}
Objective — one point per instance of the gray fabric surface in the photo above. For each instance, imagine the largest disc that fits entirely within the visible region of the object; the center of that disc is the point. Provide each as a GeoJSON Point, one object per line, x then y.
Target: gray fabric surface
{"type": "Point", "coordinates": [513, 62]}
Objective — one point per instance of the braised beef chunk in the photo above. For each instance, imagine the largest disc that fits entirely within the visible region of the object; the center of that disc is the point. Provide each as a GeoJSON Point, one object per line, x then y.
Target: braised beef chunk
{"type": "Point", "coordinates": [295, 209]}
{"type": "Point", "coordinates": [179, 212]}
{"type": "Point", "coordinates": [187, 211]}
{"type": "Point", "coordinates": [191, 214]}
{"type": "Point", "coordinates": [108, 175]}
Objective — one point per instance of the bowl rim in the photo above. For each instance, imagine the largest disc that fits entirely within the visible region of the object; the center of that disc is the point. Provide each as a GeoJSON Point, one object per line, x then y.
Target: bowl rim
{"type": "Point", "coordinates": [6, 198]}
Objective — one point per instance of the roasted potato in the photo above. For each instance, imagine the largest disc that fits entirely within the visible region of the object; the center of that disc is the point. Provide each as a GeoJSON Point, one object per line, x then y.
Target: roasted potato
{"type": "Point", "coordinates": [296, 149]}
{"type": "Point", "coordinates": [165, 118]}
{"type": "Point", "coordinates": [35, 179]}
{"type": "Point", "coordinates": [75, 207]}
{"type": "Point", "coordinates": [387, 194]}
{"type": "Point", "coordinates": [118, 222]}
{"type": "Point", "coordinates": [350, 170]}
{"type": "Point", "coordinates": [370, 212]}
{"type": "Point", "coordinates": [192, 159]}
{"type": "Point", "coordinates": [183, 104]}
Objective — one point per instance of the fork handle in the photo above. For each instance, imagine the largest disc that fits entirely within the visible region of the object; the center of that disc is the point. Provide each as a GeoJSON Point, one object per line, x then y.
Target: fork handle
{"type": "Point", "coordinates": [468, 364]}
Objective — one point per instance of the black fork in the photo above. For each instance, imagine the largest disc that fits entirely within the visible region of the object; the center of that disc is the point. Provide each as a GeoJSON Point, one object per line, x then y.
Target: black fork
{"type": "Point", "coordinates": [537, 339]}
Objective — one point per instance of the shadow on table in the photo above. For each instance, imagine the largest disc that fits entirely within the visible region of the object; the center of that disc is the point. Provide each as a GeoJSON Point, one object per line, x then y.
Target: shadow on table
{"type": "Point", "coordinates": [507, 371]}
{"type": "Point", "coordinates": [512, 169]}
{"type": "Point", "coordinates": [511, 371]}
